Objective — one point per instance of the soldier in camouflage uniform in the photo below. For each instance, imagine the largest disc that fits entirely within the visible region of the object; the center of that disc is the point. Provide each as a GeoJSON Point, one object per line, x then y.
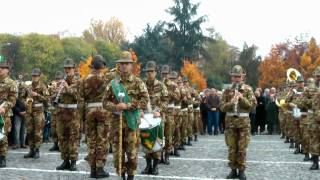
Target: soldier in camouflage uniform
{"type": "Point", "coordinates": [237, 102]}
{"type": "Point", "coordinates": [190, 120]}
{"type": "Point", "coordinates": [305, 102]}
{"type": "Point", "coordinates": [169, 111]}
{"type": "Point", "coordinates": [135, 101]}
{"type": "Point", "coordinates": [314, 127]}
{"type": "Point", "coordinates": [176, 112]}
{"type": "Point", "coordinates": [53, 90]}
{"type": "Point", "coordinates": [281, 115]}
{"type": "Point", "coordinates": [70, 106]}
{"type": "Point", "coordinates": [8, 96]}
{"type": "Point", "coordinates": [298, 120]}
{"type": "Point", "coordinates": [196, 113]}
{"type": "Point", "coordinates": [159, 98]}
{"type": "Point", "coordinates": [35, 97]}
{"type": "Point", "coordinates": [185, 97]}
{"type": "Point", "coordinates": [97, 120]}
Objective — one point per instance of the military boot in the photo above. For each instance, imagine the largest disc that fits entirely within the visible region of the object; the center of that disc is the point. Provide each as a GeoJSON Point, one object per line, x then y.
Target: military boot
{"type": "Point", "coordinates": [306, 157]}
{"type": "Point", "coordinates": [65, 165]}
{"type": "Point", "coordinates": [287, 140]}
{"type": "Point", "coordinates": [233, 174]}
{"type": "Point", "coordinates": [2, 161]}
{"type": "Point", "coordinates": [73, 165]}
{"type": "Point", "coordinates": [148, 169]}
{"type": "Point", "coordinates": [161, 159]}
{"type": "Point", "coordinates": [189, 142]}
{"type": "Point", "coordinates": [195, 138]}
{"type": "Point", "coordinates": [101, 173]}
{"type": "Point", "coordinates": [182, 147]}
{"type": "Point", "coordinates": [93, 172]}
{"type": "Point", "coordinates": [315, 164]}
{"type": "Point", "coordinates": [155, 167]}
{"type": "Point", "coordinates": [242, 175]}
{"type": "Point", "coordinates": [30, 154]}
{"type": "Point", "coordinates": [130, 177]}
{"type": "Point", "coordinates": [55, 147]}
{"type": "Point", "coordinates": [123, 176]}
{"type": "Point", "coordinates": [291, 144]}
{"type": "Point", "coordinates": [176, 152]}
{"type": "Point", "coordinates": [166, 159]}
{"type": "Point", "coordinates": [282, 136]}
{"type": "Point", "coordinates": [36, 154]}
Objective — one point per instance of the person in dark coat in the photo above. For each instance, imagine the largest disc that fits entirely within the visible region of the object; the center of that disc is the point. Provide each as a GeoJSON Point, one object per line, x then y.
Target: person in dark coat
{"type": "Point", "coordinates": [260, 112]}
{"type": "Point", "coordinates": [204, 110]}
{"type": "Point", "coordinates": [272, 112]}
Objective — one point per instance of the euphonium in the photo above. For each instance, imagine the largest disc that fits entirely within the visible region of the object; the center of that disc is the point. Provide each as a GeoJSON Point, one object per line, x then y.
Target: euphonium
{"type": "Point", "coordinates": [29, 99]}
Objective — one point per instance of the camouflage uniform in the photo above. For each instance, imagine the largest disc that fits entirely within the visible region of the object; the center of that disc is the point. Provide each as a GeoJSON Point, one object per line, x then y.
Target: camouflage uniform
{"type": "Point", "coordinates": [53, 90]}
{"type": "Point", "coordinates": [305, 102]}
{"type": "Point", "coordinates": [289, 126]}
{"type": "Point", "coordinates": [185, 97]}
{"type": "Point", "coordinates": [35, 114]}
{"type": "Point", "coordinates": [8, 96]}
{"type": "Point", "coordinates": [314, 128]}
{"type": "Point", "coordinates": [138, 93]}
{"type": "Point", "coordinates": [196, 113]}
{"type": "Point", "coordinates": [159, 98]}
{"type": "Point", "coordinates": [70, 108]}
{"type": "Point", "coordinates": [175, 101]}
{"type": "Point", "coordinates": [281, 116]}
{"type": "Point", "coordinates": [237, 132]}
{"type": "Point", "coordinates": [190, 120]}
{"type": "Point", "coordinates": [97, 120]}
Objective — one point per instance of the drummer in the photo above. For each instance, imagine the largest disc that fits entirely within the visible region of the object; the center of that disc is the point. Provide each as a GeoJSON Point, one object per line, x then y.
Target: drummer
{"type": "Point", "coordinates": [159, 100]}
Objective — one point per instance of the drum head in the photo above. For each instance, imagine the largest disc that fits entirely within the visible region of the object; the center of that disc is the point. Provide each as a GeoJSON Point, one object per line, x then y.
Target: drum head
{"type": "Point", "coordinates": [148, 121]}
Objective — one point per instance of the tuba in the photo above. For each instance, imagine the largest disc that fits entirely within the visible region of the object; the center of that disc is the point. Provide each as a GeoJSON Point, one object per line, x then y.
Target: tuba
{"type": "Point", "coordinates": [292, 76]}
{"type": "Point", "coordinates": [29, 100]}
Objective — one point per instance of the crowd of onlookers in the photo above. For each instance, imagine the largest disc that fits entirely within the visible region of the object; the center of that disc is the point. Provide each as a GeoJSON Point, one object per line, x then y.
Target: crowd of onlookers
{"type": "Point", "coordinates": [264, 118]}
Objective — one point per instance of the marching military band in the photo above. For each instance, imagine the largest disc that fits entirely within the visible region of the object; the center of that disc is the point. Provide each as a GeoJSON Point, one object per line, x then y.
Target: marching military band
{"type": "Point", "coordinates": [118, 108]}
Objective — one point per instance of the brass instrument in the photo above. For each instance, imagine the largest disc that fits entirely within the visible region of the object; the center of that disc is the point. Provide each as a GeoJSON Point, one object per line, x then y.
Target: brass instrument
{"type": "Point", "coordinates": [29, 99]}
{"type": "Point", "coordinates": [2, 124]}
{"type": "Point", "coordinates": [235, 108]}
{"type": "Point", "coordinates": [292, 76]}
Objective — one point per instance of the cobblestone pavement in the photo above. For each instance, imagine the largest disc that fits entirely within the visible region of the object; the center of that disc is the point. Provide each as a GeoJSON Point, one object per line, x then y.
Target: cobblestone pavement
{"type": "Point", "coordinates": [268, 158]}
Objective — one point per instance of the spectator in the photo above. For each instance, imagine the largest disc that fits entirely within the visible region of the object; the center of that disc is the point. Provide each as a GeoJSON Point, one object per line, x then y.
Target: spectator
{"type": "Point", "coordinates": [204, 110]}
{"type": "Point", "coordinates": [222, 116]}
{"type": "Point", "coordinates": [19, 123]}
{"type": "Point", "coordinates": [212, 104]}
{"type": "Point", "coordinates": [260, 113]}
{"type": "Point", "coordinates": [272, 113]}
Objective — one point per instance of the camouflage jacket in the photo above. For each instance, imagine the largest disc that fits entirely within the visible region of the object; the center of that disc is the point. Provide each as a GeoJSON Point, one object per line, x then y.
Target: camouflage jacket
{"type": "Point", "coordinates": [159, 96]}
{"type": "Point", "coordinates": [245, 104]}
{"type": "Point", "coordinates": [93, 87]}
{"type": "Point", "coordinates": [136, 90]}
{"type": "Point", "coordinates": [43, 96]}
{"type": "Point", "coordinates": [292, 98]}
{"type": "Point", "coordinates": [173, 90]}
{"type": "Point", "coordinates": [8, 94]}
{"type": "Point", "coordinates": [305, 100]}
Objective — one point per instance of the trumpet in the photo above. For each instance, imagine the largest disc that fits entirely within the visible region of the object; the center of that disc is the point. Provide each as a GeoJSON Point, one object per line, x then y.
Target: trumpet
{"type": "Point", "coordinates": [235, 108]}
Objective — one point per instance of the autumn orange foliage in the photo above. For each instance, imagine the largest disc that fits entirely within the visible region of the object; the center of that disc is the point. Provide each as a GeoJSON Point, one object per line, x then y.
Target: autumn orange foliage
{"type": "Point", "coordinates": [301, 57]}
{"type": "Point", "coordinates": [84, 67]}
{"type": "Point", "coordinates": [195, 76]}
{"type": "Point", "coordinates": [136, 66]}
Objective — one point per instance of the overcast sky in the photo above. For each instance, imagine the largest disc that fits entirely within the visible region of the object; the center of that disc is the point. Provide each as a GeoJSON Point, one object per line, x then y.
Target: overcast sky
{"type": "Point", "coordinates": [259, 22]}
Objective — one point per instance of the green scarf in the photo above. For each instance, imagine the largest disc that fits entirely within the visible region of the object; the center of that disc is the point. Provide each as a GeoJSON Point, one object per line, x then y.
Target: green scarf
{"type": "Point", "coordinates": [132, 116]}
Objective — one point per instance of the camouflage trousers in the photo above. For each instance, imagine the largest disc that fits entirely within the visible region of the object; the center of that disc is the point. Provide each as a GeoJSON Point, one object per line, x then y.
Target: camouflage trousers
{"type": "Point", "coordinates": [177, 129]}
{"type": "Point", "coordinates": [296, 131]}
{"type": "Point", "coordinates": [68, 128]}
{"type": "Point", "coordinates": [184, 125]}
{"type": "Point", "coordinates": [196, 122]}
{"type": "Point", "coordinates": [54, 119]}
{"type": "Point", "coordinates": [190, 123]}
{"type": "Point", "coordinates": [98, 130]}
{"type": "Point", "coordinates": [281, 118]}
{"type": "Point", "coordinates": [305, 138]}
{"type": "Point", "coordinates": [289, 126]}
{"type": "Point", "coordinates": [4, 141]}
{"type": "Point", "coordinates": [314, 137]}
{"type": "Point", "coordinates": [129, 146]}
{"type": "Point", "coordinates": [168, 131]}
{"type": "Point", "coordinates": [35, 125]}
{"type": "Point", "coordinates": [237, 137]}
